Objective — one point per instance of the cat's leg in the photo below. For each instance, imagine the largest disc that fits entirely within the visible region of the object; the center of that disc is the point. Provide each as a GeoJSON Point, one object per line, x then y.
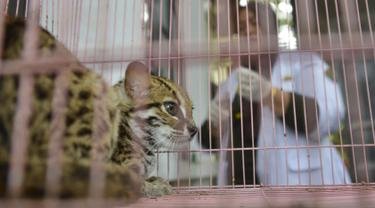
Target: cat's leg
{"type": "Point", "coordinates": [124, 181]}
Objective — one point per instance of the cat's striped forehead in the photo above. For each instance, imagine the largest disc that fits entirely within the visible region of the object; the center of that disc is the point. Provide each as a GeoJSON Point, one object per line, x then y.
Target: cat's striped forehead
{"type": "Point", "coordinates": [162, 89]}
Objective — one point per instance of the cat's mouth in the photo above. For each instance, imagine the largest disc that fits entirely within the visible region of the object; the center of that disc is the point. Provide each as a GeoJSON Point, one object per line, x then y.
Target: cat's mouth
{"type": "Point", "coordinates": [183, 140]}
{"type": "Point", "coordinates": [182, 137]}
{"type": "Point", "coordinates": [178, 141]}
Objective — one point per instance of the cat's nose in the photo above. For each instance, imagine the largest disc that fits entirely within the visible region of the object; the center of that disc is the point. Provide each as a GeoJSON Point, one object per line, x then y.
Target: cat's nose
{"type": "Point", "coordinates": [192, 130]}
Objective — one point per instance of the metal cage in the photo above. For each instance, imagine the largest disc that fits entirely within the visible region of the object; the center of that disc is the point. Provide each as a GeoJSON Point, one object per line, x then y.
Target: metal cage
{"type": "Point", "coordinates": [197, 43]}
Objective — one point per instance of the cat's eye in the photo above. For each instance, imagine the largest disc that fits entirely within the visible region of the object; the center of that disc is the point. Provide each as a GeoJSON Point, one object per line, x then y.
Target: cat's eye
{"type": "Point", "coordinates": [171, 108]}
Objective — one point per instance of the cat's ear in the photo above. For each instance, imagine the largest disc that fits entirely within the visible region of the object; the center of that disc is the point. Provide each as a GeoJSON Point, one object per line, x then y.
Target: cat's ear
{"type": "Point", "coordinates": [137, 80]}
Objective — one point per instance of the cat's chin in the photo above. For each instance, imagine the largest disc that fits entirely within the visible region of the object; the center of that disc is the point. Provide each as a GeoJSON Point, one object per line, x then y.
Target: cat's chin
{"type": "Point", "coordinates": [180, 143]}
{"type": "Point", "coordinates": [180, 147]}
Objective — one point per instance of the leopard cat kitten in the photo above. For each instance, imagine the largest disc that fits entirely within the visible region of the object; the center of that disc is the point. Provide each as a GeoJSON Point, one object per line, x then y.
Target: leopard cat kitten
{"type": "Point", "coordinates": [145, 112]}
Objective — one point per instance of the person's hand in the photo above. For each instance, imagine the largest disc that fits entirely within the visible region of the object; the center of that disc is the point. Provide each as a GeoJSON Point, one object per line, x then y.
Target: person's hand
{"type": "Point", "coordinates": [253, 86]}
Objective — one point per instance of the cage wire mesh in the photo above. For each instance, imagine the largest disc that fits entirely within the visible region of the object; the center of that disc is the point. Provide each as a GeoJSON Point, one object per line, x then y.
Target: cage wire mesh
{"type": "Point", "coordinates": [306, 142]}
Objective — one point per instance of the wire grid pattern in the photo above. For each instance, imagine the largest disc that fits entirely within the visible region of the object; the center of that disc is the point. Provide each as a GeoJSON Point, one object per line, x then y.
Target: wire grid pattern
{"type": "Point", "coordinates": [176, 39]}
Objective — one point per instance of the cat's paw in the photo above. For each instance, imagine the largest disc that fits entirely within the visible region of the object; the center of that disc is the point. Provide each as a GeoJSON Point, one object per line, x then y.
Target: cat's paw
{"type": "Point", "coordinates": [156, 186]}
{"type": "Point", "coordinates": [122, 182]}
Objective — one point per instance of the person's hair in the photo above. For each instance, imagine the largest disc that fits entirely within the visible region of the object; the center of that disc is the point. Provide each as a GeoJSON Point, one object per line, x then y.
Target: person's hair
{"type": "Point", "coordinates": [267, 23]}
{"type": "Point", "coordinates": [265, 16]}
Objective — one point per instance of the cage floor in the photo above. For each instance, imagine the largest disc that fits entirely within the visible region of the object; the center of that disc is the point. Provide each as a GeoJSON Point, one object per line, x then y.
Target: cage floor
{"type": "Point", "coordinates": [363, 196]}
{"type": "Point", "coordinates": [358, 196]}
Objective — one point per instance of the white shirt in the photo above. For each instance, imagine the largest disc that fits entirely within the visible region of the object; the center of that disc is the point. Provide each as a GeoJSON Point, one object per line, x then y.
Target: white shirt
{"type": "Point", "coordinates": [286, 157]}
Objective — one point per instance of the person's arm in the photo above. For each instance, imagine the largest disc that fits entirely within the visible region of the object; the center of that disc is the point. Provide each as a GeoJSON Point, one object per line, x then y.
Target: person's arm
{"type": "Point", "coordinates": [294, 112]}
{"type": "Point", "coordinates": [316, 97]}
{"type": "Point", "coordinates": [219, 117]}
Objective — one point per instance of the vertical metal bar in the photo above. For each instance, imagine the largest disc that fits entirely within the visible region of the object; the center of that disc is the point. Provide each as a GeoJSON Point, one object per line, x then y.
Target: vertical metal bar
{"type": "Point", "coordinates": [2, 28]}
{"type": "Point", "coordinates": [20, 136]}
{"type": "Point", "coordinates": [218, 89]}
{"type": "Point", "coordinates": [56, 132]}
{"type": "Point", "coordinates": [306, 21]}
{"type": "Point", "coordinates": [170, 38]}
{"type": "Point", "coordinates": [299, 34]}
{"type": "Point", "coordinates": [77, 27]}
{"type": "Point", "coordinates": [105, 33]}
{"type": "Point", "coordinates": [160, 35]}
{"type": "Point", "coordinates": [159, 64]}
{"type": "Point", "coordinates": [346, 17]}
{"type": "Point", "coordinates": [325, 95]}
{"type": "Point", "coordinates": [26, 7]}
{"type": "Point", "coordinates": [346, 89]}
{"type": "Point", "coordinates": [63, 19]}
{"type": "Point", "coordinates": [221, 153]}
{"type": "Point", "coordinates": [62, 29]}
{"type": "Point", "coordinates": [240, 93]}
{"type": "Point", "coordinates": [253, 136]}
{"type": "Point", "coordinates": [309, 33]}
{"type": "Point", "coordinates": [124, 19]}
{"type": "Point", "coordinates": [97, 33]}
{"type": "Point", "coordinates": [336, 93]}
{"type": "Point", "coordinates": [101, 138]}
{"type": "Point", "coordinates": [277, 135]}
{"type": "Point", "coordinates": [49, 16]}
{"type": "Point", "coordinates": [188, 15]}
{"type": "Point", "coordinates": [367, 90]}
{"type": "Point", "coordinates": [209, 91]}
{"type": "Point", "coordinates": [240, 87]}
{"type": "Point", "coordinates": [133, 35]}
{"type": "Point", "coordinates": [356, 87]}
{"type": "Point", "coordinates": [284, 131]}
{"type": "Point", "coordinates": [169, 66]}
{"type": "Point", "coordinates": [59, 4]}
{"type": "Point", "coordinates": [17, 7]}
{"type": "Point", "coordinates": [352, 114]}
{"type": "Point", "coordinates": [113, 39]}
{"type": "Point", "coordinates": [366, 75]}
{"type": "Point", "coordinates": [53, 18]}
{"type": "Point", "coordinates": [294, 108]}
{"type": "Point", "coordinates": [371, 173]}
{"type": "Point", "coordinates": [5, 9]}
{"type": "Point", "coordinates": [150, 55]}
{"type": "Point", "coordinates": [230, 104]}
{"type": "Point", "coordinates": [200, 17]}
{"type": "Point", "coordinates": [71, 24]}
{"type": "Point", "coordinates": [44, 6]}
{"type": "Point", "coordinates": [31, 33]}
{"type": "Point", "coordinates": [66, 23]}
{"type": "Point", "coordinates": [144, 25]}
{"type": "Point", "coordinates": [87, 33]}
{"type": "Point", "coordinates": [179, 36]}
{"type": "Point", "coordinates": [268, 34]}
{"type": "Point", "coordinates": [40, 8]}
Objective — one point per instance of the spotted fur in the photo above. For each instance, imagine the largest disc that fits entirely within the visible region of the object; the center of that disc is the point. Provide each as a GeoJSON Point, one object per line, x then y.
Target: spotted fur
{"type": "Point", "coordinates": [137, 115]}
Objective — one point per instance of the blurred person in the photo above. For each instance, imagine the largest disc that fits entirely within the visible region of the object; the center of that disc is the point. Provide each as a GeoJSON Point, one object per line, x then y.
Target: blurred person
{"type": "Point", "coordinates": [244, 126]}
{"type": "Point", "coordinates": [294, 109]}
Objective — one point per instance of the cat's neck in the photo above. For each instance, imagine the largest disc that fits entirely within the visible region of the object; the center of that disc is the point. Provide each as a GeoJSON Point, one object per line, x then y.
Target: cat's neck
{"type": "Point", "coordinates": [129, 147]}
{"type": "Point", "coordinates": [132, 142]}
